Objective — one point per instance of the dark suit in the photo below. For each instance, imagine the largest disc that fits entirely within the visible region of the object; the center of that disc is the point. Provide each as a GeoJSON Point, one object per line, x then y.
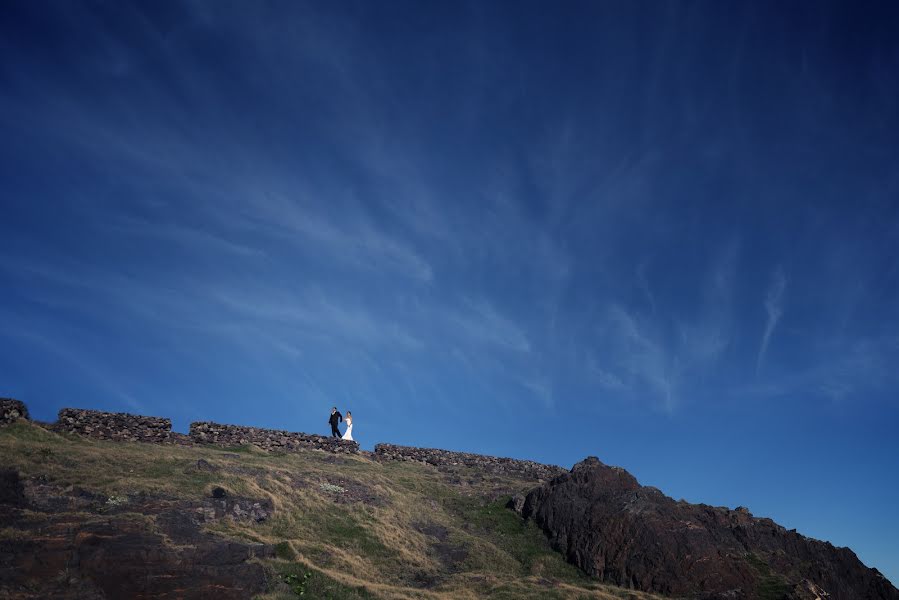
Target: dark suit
{"type": "Point", "coordinates": [334, 420]}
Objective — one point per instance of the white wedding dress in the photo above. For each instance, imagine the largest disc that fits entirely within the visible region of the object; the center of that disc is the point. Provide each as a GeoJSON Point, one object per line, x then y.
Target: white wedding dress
{"type": "Point", "coordinates": [348, 435]}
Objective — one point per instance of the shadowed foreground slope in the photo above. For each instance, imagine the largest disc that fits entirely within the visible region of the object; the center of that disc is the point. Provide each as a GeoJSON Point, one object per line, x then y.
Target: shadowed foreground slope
{"type": "Point", "coordinates": [81, 518]}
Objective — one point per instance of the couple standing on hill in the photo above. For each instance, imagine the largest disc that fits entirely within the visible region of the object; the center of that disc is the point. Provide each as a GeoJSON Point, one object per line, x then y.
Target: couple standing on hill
{"type": "Point", "coordinates": [336, 418]}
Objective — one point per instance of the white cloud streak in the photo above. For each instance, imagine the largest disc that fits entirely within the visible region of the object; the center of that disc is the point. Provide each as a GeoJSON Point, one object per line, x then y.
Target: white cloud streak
{"type": "Point", "coordinates": [774, 299]}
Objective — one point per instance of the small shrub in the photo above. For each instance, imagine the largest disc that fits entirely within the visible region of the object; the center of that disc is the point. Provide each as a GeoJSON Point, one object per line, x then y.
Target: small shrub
{"type": "Point", "coordinates": [296, 583]}
{"type": "Point", "coordinates": [330, 487]}
{"type": "Point", "coordinates": [305, 581]}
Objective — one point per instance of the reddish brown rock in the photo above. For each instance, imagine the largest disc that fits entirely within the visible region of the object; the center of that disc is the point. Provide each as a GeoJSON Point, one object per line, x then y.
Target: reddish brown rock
{"type": "Point", "coordinates": [70, 543]}
{"type": "Point", "coordinates": [633, 536]}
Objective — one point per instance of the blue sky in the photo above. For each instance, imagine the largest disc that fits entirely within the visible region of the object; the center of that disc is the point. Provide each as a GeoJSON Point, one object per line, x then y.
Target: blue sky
{"type": "Point", "coordinates": [664, 234]}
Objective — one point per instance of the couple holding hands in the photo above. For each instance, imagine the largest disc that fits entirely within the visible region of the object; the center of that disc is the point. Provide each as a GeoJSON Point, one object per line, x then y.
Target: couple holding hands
{"type": "Point", "coordinates": [336, 418]}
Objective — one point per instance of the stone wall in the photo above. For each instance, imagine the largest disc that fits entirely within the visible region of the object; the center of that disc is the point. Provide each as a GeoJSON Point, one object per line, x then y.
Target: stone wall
{"type": "Point", "coordinates": [113, 426]}
{"type": "Point", "coordinates": [491, 464]}
{"type": "Point", "coordinates": [12, 410]}
{"type": "Point", "coordinates": [128, 427]}
{"type": "Point", "coordinates": [267, 439]}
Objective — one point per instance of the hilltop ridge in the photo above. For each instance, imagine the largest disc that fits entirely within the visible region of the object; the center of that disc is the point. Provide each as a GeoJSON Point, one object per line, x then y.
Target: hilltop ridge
{"type": "Point", "coordinates": [120, 509]}
{"type": "Point", "coordinates": [241, 512]}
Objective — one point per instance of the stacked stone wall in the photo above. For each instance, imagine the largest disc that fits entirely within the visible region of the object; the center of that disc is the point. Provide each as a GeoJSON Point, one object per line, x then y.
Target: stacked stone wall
{"type": "Point", "coordinates": [113, 426]}
{"type": "Point", "coordinates": [268, 439]}
{"type": "Point", "coordinates": [11, 411]}
{"type": "Point", "coordinates": [491, 464]}
{"type": "Point", "coordinates": [128, 427]}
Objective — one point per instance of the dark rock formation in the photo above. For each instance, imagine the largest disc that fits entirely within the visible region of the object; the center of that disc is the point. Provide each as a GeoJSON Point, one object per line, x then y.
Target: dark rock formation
{"type": "Point", "coordinates": [11, 411]}
{"type": "Point", "coordinates": [224, 506]}
{"type": "Point", "coordinates": [63, 542]}
{"type": "Point", "coordinates": [614, 529]}
{"type": "Point", "coordinates": [12, 492]}
{"type": "Point", "coordinates": [205, 465]}
{"type": "Point", "coordinates": [113, 426]}
{"type": "Point", "coordinates": [268, 439]}
{"type": "Point", "coordinates": [524, 469]}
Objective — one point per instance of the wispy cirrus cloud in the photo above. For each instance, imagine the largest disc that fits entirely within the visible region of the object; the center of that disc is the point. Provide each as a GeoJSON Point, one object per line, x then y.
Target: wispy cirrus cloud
{"type": "Point", "coordinates": [666, 351]}
{"type": "Point", "coordinates": [841, 372]}
{"type": "Point", "coordinates": [313, 314]}
{"type": "Point", "coordinates": [193, 239]}
{"type": "Point", "coordinates": [356, 241]}
{"type": "Point", "coordinates": [774, 307]}
{"type": "Point", "coordinates": [640, 356]}
{"type": "Point", "coordinates": [482, 322]}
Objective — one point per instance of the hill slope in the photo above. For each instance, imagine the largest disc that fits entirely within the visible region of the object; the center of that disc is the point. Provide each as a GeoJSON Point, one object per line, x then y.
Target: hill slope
{"type": "Point", "coordinates": [81, 518]}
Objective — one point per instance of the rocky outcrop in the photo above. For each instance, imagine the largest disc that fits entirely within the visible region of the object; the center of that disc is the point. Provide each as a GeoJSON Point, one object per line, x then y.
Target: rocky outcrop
{"type": "Point", "coordinates": [113, 426]}
{"type": "Point", "coordinates": [11, 411]}
{"type": "Point", "coordinates": [222, 505]}
{"type": "Point", "coordinates": [614, 529]}
{"type": "Point", "coordinates": [268, 439]}
{"type": "Point", "coordinates": [67, 542]}
{"type": "Point", "coordinates": [524, 469]}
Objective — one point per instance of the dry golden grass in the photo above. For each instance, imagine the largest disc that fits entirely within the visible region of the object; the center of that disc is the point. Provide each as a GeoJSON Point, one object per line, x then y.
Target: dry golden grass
{"type": "Point", "coordinates": [417, 535]}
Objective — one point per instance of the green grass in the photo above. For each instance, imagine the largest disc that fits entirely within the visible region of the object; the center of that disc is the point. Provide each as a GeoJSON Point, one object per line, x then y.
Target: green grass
{"type": "Point", "coordinates": [240, 449]}
{"type": "Point", "coordinates": [521, 540]}
{"type": "Point", "coordinates": [299, 580]}
{"type": "Point", "coordinates": [771, 585]}
{"type": "Point", "coordinates": [345, 530]}
{"type": "Point", "coordinates": [476, 547]}
{"type": "Point", "coordinates": [285, 551]}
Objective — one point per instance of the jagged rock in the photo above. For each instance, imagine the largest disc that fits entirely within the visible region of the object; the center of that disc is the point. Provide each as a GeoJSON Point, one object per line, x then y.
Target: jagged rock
{"type": "Point", "coordinates": [806, 590]}
{"type": "Point", "coordinates": [516, 503]}
{"type": "Point", "coordinates": [237, 509]}
{"type": "Point", "coordinates": [12, 410]}
{"type": "Point", "coordinates": [205, 465]}
{"type": "Point", "coordinates": [614, 529]}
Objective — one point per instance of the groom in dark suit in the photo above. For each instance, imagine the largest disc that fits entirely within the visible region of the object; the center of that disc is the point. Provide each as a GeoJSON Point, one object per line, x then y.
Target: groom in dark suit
{"type": "Point", "coordinates": [336, 418]}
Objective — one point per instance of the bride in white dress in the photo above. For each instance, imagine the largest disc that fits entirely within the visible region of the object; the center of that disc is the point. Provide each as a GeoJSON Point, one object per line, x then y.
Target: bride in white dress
{"type": "Point", "coordinates": [348, 435]}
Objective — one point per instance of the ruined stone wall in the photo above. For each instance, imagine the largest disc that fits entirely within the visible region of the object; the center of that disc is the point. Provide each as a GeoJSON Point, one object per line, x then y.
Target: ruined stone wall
{"type": "Point", "coordinates": [113, 426]}
{"type": "Point", "coordinates": [267, 439]}
{"type": "Point", "coordinates": [491, 464]}
{"type": "Point", "coordinates": [128, 427]}
{"type": "Point", "coordinates": [11, 411]}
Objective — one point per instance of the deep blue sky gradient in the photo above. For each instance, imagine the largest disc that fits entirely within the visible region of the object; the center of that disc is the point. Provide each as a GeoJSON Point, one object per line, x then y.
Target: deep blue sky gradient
{"type": "Point", "coordinates": [665, 234]}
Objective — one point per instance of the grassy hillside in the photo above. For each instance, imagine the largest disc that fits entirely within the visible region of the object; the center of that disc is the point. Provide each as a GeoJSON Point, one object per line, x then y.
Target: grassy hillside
{"type": "Point", "coordinates": [342, 526]}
